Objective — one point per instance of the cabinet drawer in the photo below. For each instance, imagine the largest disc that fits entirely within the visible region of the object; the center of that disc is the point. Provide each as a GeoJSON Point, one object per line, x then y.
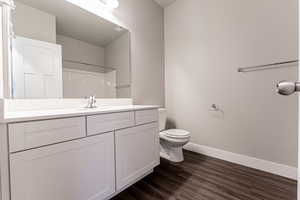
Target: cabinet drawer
{"type": "Point", "coordinates": [146, 116]}
{"type": "Point", "coordinates": [34, 134]}
{"type": "Point", "coordinates": [108, 122]}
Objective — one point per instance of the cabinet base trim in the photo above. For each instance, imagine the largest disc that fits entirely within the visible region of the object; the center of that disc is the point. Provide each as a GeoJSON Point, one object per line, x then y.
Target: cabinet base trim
{"type": "Point", "coordinates": [132, 183]}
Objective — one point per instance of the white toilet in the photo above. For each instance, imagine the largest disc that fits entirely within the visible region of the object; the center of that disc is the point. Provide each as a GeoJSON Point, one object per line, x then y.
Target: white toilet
{"type": "Point", "coordinates": [172, 140]}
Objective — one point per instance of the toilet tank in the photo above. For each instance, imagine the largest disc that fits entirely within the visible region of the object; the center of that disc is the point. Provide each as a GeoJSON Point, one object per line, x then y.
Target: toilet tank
{"type": "Point", "coordinates": [162, 117]}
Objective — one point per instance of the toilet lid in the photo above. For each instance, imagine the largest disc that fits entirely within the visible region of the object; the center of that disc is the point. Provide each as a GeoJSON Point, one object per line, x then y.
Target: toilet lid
{"type": "Point", "coordinates": [177, 133]}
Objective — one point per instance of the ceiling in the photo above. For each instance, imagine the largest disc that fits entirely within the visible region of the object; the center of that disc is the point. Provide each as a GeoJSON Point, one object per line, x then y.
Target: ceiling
{"type": "Point", "coordinates": [164, 3]}
{"type": "Point", "coordinates": [77, 23]}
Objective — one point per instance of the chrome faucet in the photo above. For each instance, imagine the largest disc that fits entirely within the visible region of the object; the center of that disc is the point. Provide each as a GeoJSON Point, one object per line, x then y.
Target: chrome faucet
{"type": "Point", "coordinates": [91, 102]}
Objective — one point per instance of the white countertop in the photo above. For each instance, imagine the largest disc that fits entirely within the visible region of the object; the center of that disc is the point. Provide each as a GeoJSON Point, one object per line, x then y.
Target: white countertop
{"type": "Point", "coordinates": [22, 116]}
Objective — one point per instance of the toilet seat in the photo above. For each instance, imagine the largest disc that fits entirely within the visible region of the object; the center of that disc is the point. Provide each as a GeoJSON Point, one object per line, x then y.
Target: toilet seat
{"type": "Point", "coordinates": [176, 134]}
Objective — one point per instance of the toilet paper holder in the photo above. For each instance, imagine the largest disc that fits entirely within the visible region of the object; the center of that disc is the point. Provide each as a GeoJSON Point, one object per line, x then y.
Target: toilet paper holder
{"type": "Point", "coordinates": [216, 108]}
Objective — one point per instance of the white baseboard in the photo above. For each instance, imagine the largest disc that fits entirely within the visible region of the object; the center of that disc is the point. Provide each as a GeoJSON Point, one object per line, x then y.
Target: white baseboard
{"type": "Point", "coordinates": [264, 165]}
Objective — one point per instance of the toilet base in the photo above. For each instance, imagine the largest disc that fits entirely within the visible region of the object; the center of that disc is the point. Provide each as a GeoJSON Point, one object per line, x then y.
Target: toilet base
{"type": "Point", "coordinates": [173, 154]}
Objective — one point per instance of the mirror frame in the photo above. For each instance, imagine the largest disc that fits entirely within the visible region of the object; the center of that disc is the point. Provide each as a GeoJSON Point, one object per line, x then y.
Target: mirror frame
{"type": "Point", "coordinates": [7, 6]}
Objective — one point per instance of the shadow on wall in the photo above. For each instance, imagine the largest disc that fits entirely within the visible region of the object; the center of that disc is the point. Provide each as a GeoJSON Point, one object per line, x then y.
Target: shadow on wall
{"type": "Point", "coordinates": [171, 124]}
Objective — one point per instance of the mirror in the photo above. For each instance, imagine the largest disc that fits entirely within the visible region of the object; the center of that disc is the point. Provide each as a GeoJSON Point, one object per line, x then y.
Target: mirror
{"type": "Point", "coordinates": [62, 51]}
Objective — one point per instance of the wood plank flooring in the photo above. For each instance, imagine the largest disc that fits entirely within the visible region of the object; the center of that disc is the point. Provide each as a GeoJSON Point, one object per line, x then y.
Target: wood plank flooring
{"type": "Point", "coordinates": [204, 178]}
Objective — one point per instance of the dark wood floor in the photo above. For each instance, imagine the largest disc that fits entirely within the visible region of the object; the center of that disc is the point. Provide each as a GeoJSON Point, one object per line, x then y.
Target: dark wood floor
{"type": "Point", "coordinates": [204, 178]}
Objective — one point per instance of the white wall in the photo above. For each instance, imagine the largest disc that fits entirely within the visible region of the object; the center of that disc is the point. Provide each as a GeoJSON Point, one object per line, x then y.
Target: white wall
{"type": "Point", "coordinates": [110, 84]}
{"type": "Point", "coordinates": [82, 80]}
{"type": "Point", "coordinates": [35, 24]}
{"type": "Point", "coordinates": [79, 84]}
{"type": "Point", "coordinates": [206, 41]}
{"type": "Point", "coordinates": [117, 55]}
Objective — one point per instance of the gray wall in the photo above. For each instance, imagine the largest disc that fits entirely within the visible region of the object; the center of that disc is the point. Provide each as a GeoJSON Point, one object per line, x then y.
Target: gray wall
{"type": "Point", "coordinates": [144, 19]}
{"type": "Point", "coordinates": [205, 47]}
{"type": "Point", "coordinates": [117, 55]}
{"type": "Point", "coordinates": [35, 24]}
{"type": "Point", "coordinates": [80, 51]}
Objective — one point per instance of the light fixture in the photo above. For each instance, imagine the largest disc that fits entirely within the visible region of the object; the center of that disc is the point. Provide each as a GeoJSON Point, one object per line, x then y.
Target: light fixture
{"type": "Point", "coordinates": [110, 3]}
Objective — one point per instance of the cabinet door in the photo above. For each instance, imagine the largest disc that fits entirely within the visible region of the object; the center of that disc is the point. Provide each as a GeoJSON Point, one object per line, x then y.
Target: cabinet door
{"type": "Point", "coordinates": [137, 152]}
{"type": "Point", "coordinates": [77, 170]}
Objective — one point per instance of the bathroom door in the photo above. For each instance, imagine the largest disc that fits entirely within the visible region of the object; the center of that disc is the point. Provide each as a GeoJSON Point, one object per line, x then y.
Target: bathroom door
{"type": "Point", "coordinates": [37, 69]}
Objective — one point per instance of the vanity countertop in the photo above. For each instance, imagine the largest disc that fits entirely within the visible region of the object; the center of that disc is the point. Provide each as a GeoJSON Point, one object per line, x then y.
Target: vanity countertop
{"type": "Point", "coordinates": [22, 116]}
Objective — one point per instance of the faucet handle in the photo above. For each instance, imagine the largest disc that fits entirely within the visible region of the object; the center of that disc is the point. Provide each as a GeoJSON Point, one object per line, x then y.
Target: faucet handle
{"type": "Point", "coordinates": [94, 99]}
{"type": "Point", "coordinates": [92, 102]}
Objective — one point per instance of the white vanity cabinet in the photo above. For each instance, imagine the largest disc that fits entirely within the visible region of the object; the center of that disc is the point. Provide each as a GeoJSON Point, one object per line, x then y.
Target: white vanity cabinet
{"type": "Point", "coordinates": [77, 170]}
{"type": "Point", "coordinates": [86, 157]}
{"type": "Point", "coordinates": [137, 152]}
